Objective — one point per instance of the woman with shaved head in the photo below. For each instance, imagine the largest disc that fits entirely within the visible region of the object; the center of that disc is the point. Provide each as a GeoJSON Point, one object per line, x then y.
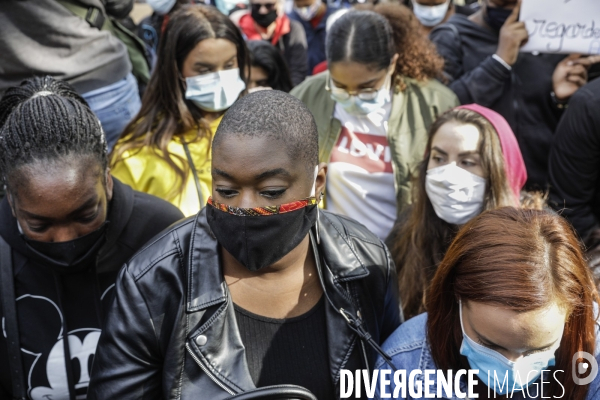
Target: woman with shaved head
{"type": "Point", "coordinates": [261, 288]}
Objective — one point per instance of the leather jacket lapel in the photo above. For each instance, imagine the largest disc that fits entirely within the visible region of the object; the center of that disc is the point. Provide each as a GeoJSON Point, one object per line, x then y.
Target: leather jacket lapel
{"type": "Point", "coordinates": [342, 341]}
{"type": "Point", "coordinates": [209, 288]}
{"type": "Point", "coordinates": [214, 341]}
{"type": "Point", "coordinates": [217, 348]}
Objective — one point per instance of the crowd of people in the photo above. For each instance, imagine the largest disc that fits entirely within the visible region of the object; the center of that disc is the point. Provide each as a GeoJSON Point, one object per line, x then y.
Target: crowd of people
{"type": "Point", "coordinates": [242, 196]}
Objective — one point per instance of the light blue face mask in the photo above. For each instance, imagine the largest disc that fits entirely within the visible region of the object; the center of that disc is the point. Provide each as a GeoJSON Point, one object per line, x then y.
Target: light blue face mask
{"type": "Point", "coordinates": [430, 15]}
{"type": "Point", "coordinates": [216, 91]}
{"type": "Point", "coordinates": [358, 106]}
{"type": "Point", "coordinates": [225, 6]}
{"type": "Point", "coordinates": [161, 7]}
{"type": "Point", "coordinates": [520, 373]}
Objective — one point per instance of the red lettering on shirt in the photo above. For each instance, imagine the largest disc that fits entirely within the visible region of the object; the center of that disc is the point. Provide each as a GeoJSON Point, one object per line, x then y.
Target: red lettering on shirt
{"type": "Point", "coordinates": [370, 152]}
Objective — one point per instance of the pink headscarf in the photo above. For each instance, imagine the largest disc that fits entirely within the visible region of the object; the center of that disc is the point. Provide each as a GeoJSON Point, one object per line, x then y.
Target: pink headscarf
{"type": "Point", "coordinates": [516, 172]}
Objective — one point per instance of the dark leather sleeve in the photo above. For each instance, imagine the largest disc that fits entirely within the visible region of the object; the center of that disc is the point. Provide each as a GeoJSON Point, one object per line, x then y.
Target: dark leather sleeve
{"type": "Point", "coordinates": [125, 364]}
{"type": "Point", "coordinates": [118, 8]}
{"type": "Point", "coordinates": [483, 85]}
{"type": "Point", "coordinates": [4, 394]}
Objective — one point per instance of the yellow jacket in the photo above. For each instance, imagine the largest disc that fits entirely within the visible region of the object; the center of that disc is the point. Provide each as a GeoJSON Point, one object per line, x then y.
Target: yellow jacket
{"type": "Point", "coordinates": [147, 172]}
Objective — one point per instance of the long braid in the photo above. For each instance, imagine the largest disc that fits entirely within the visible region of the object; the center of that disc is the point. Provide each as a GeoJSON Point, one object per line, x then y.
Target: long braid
{"type": "Point", "coordinates": [45, 120]}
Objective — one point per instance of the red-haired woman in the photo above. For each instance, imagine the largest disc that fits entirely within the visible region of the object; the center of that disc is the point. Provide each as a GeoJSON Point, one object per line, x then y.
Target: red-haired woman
{"type": "Point", "coordinates": [513, 297]}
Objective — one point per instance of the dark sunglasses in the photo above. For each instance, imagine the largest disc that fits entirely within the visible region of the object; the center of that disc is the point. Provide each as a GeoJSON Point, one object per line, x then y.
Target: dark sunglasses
{"type": "Point", "coordinates": [269, 6]}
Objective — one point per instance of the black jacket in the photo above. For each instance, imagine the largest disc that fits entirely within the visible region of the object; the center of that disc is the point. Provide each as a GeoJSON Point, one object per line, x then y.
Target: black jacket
{"type": "Point", "coordinates": [45, 297]}
{"type": "Point", "coordinates": [295, 51]}
{"type": "Point", "coordinates": [574, 165]}
{"type": "Point", "coordinates": [172, 332]}
{"type": "Point", "coordinates": [521, 95]}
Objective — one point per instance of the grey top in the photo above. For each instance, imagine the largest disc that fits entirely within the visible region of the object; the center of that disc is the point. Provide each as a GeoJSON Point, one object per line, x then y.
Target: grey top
{"type": "Point", "coordinates": [41, 37]}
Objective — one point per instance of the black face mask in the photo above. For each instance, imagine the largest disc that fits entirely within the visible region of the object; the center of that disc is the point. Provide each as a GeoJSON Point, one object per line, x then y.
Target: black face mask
{"type": "Point", "coordinates": [496, 17]}
{"type": "Point", "coordinates": [259, 237]}
{"type": "Point", "coordinates": [72, 256]}
{"type": "Point", "coordinates": [264, 20]}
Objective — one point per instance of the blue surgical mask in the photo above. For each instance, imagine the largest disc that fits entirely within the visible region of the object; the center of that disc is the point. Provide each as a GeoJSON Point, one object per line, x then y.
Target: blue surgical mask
{"type": "Point", "coordinates": [430, 15]}
{"type": "Point", "coordinates": [520, 373]}
{"type": "Point", "coordinates": [225, 6]}
{"type": "Point", "coordinates": [161, 7]}
{"type": "Point", "coordinates": [355, 105]}
{"type": "Point", "coordinates": [216, 91]}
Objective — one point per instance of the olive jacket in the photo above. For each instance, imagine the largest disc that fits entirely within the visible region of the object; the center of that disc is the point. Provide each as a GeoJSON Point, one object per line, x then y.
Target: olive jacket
{"type": "Point", "coordinates": [413, 112]}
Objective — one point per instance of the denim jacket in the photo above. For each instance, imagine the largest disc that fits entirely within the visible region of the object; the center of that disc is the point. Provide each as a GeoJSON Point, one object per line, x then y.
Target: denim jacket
{"type": "Point", "coordinates": [409, 349]}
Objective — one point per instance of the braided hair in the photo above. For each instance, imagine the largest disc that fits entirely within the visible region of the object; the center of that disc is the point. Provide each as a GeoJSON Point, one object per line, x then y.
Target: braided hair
{"type": "Point", "coordinates": [45, 120]}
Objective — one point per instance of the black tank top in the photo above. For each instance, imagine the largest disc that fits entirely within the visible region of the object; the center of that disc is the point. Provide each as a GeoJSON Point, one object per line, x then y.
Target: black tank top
{"type": "Point", "coordinates": [288, 351]}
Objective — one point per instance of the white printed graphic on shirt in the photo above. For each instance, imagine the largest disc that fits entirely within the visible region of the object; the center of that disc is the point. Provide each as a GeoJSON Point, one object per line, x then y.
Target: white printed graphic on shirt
{"type": "Point", "coordinates": [82, 346]}
{"type": "Point", "coordinates": [360, 178]}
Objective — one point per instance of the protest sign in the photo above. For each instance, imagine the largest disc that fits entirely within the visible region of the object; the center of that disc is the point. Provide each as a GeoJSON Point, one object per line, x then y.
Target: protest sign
{"type": "Point", "coordinates": [562, 26]}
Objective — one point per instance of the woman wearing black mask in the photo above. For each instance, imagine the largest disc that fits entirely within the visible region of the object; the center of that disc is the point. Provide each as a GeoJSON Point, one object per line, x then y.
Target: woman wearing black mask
{"type": "Point", "coordinates": [267, 21]}
{"type": "Point", "coordinates": [260, 287]}
{"type": "Point", "coordinates": [66, 227]}
{"type": "Point", "coordinates": [484, 66]}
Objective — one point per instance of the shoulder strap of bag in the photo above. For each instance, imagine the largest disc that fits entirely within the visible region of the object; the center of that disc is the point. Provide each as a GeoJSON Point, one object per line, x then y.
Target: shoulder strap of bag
{"type": "Point", "coordinates": [188, 155]}
{"type": "Point", "coordinates": [348, 311]}
{"type": "Point", "coordinates": [92, 15]}
{"type": "Point", "coordinates": [97, 18]}
{"type": "Point", "coordinates": [9, 308]}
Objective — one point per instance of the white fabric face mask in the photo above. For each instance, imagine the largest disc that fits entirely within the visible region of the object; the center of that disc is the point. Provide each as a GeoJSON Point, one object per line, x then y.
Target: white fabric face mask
{"type": "Point", "coordinates": [161, 7]}
{"type": "Point", "coordinates": [455, 193]}
{"type": "Point", "coordinates": [216, 91]}
{"type": "Point", "coordinates": [430, 15]}
{"type": "Point", "coordinates": [308, 13]}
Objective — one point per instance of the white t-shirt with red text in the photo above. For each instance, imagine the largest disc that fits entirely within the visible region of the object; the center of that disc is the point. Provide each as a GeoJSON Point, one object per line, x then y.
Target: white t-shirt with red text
{"type": "Point", "coordinates": [360, 179]}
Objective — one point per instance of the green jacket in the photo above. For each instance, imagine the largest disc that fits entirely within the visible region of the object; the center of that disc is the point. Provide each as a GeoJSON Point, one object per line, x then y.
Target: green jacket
{"type": "Point", "coordinates": [413, 112]}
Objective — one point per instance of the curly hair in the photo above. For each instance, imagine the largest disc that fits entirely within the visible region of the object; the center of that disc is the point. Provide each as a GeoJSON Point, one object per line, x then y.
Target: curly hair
{"type": "Point", "coordinates": [418, 58]}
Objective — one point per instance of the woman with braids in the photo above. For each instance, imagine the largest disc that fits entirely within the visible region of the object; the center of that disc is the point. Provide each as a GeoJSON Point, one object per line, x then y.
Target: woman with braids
{"type": "Point", "coordinates": [513, 301]}
{"type": "Point", "coordinates": [472, 163]}
{"type": "Point", "coordinates": [66, 228]}
{"type": "Point", "coordinates": [199, 74]}
{"type": "Point", "coordinates": [373, 108]}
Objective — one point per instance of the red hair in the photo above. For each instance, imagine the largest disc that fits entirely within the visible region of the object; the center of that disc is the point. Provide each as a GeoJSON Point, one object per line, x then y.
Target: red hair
{"type": "Point", "coordinates": [523, 260]}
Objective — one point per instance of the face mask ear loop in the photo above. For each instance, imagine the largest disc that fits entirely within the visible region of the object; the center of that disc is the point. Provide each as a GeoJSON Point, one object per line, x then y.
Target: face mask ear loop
{"type": "Point", "coordinates": [312, 194]}
{"type": "Point", "coordinates": [314, 186]}
{"type": "Point", "coordinates": [318, 227]}
{"type": "Point", "coordinates": [182, 81]}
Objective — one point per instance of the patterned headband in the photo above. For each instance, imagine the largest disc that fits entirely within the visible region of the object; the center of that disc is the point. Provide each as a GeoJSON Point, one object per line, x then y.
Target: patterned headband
{"type": "Point", "coordinates": [269, 210]}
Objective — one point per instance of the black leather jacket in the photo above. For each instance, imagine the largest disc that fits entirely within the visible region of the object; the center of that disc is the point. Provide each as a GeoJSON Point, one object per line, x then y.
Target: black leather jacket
{"type": "Point", "coordinates": [172, 333]}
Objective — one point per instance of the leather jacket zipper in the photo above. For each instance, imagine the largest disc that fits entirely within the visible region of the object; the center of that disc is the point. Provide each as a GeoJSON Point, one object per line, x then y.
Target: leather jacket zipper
{"type": "Point", "coordinates": [211, 376]}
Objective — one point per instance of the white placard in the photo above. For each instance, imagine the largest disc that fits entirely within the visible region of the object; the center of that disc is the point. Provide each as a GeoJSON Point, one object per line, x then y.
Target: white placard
{"type": "Point", "coordinates": [562, 26]}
